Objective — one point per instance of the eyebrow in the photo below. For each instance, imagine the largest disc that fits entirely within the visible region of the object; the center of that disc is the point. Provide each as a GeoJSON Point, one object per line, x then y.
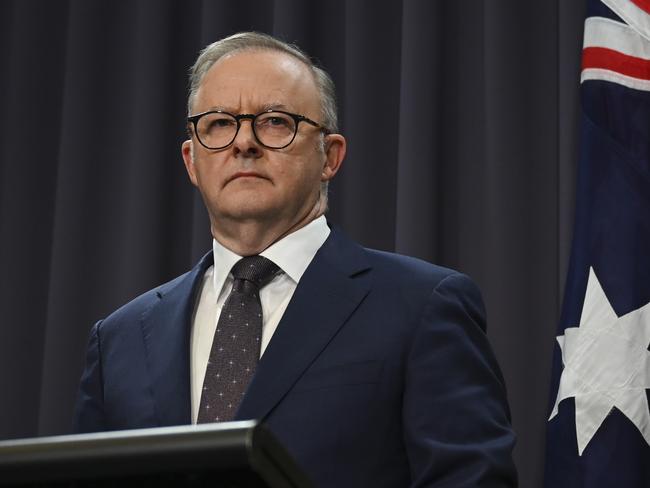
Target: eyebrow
{"type": "Point", "coordinates": [263, 108]}
{"type": "Point", "coordinates": [273, 106]}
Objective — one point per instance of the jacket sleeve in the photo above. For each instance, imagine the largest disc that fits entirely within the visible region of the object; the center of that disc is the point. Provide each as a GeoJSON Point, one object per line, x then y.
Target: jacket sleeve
{"type": "Point", "coordinates": [89, 413]}
{"type": "Point", "coordinates": [456, 418]}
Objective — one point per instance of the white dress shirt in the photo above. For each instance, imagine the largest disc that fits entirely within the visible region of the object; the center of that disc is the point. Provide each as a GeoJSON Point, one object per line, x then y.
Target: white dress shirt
{"type": "Point", "coordinates": [292, 254]}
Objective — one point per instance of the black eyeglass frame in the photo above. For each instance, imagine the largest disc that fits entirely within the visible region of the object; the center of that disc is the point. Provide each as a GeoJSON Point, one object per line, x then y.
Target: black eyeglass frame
{"type": "Point", "coordinates": [194, 119]}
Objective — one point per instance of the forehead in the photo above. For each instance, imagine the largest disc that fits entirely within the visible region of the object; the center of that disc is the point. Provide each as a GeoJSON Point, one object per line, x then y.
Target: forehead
{"type": "Point", "coordinates": [257, 80]}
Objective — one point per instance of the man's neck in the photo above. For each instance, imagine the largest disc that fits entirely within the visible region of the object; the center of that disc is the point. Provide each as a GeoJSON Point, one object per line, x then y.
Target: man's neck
{"type": "Point", "coordinates": [252, 237]}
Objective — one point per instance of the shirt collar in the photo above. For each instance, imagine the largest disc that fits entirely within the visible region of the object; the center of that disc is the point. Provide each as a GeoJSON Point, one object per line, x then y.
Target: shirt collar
{"type": "Point", "coordinates": [292, 253]}
{"type": "Point", "coordinates": [224, 260]}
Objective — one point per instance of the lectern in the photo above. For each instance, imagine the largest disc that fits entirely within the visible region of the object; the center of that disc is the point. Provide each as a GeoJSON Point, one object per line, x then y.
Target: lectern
{"type": "Point", "coordinates": [226, 455]}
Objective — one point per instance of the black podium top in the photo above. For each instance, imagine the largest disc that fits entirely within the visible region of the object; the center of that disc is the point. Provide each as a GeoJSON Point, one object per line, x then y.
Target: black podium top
{"type": "Point", "coordinates": [226, 455]}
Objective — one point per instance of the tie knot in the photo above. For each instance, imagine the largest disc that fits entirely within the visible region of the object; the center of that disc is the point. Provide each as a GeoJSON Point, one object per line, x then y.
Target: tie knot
{"type": "Point", "coordinates": [256, 269]}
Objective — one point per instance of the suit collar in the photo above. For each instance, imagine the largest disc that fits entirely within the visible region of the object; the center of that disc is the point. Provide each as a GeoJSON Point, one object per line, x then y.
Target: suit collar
{"type": "Point", "coordinates": [331, 288]}
{"type": "Point", "coordinates": [166, 330]}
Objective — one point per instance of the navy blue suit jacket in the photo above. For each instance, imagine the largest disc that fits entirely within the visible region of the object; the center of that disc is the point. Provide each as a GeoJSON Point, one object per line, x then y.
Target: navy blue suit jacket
{"type": "Point", "coordinates": [378, 375]}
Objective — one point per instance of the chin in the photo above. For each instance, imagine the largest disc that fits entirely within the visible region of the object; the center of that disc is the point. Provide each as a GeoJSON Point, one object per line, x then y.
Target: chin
{"type": "Point", "coordinates": [249, 210]}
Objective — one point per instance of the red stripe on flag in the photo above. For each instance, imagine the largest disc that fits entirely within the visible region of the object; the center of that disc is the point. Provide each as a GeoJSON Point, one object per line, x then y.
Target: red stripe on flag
{"type": "Point", "coordinates": [642, 4]}
{"type": "Point", "coordinates": [603, 58]}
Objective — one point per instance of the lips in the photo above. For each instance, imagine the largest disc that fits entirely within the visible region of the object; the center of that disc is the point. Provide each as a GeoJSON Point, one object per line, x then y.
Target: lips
{"type": "Point", "coordinates": [245, 174]}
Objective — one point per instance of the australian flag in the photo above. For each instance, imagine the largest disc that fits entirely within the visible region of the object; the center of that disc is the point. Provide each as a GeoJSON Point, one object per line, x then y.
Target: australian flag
{"type": "Point", "coordinates": [598, 432]}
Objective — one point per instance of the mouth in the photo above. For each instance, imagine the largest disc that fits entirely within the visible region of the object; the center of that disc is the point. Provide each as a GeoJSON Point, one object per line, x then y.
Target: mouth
{"type": "Point", "coordinates": [244, 174]}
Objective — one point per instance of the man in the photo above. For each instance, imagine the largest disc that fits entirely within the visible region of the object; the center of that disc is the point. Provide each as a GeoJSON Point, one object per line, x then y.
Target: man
{"type": "Point", "coordinates": [375, 370]}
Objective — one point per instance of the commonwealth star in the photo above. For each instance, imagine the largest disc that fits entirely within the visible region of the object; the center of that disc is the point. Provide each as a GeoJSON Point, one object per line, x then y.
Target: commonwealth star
{"type": "Point", "coordinates": [606, 365]}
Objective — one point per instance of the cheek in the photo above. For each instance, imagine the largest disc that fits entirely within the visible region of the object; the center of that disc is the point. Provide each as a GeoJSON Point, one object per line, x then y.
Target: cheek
{"type": "Point", "coordinates": [303, 169]}
{"type": "Point", "coordinates": [209, 173]}
{"type": "Point", "coordinates": [303, 179]}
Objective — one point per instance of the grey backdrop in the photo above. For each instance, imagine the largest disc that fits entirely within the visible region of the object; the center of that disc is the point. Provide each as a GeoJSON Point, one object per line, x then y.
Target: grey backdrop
{"type": "Point", "coordinates": [461, 118]}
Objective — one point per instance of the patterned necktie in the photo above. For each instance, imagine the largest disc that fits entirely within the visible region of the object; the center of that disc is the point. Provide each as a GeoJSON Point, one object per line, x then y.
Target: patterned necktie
{"type": "Point", "coordinates": [237, 340]}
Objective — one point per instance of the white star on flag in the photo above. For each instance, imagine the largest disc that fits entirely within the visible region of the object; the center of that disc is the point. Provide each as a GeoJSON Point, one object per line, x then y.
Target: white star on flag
{"type": "Point", "coordinates": [606, 365]}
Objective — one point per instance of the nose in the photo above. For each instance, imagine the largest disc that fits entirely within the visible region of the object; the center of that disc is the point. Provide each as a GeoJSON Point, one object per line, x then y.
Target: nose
{"type": "Point", "coordinates": [245, 142]}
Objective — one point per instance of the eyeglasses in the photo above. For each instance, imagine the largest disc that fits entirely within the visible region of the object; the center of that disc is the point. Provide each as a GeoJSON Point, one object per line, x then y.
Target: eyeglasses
{"type": "Point", "coordinates": [273, 129]}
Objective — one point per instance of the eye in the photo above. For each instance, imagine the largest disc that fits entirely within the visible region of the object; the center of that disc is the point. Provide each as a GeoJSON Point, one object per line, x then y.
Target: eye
{"type": "Point", "coordinates": [220, 122]}
{"type": "Point", "coordinates": [216, 122]}
{"type": "Point", "coordinates": [277, 121]}
{"type": "Point", "coordinates": [274, 121]}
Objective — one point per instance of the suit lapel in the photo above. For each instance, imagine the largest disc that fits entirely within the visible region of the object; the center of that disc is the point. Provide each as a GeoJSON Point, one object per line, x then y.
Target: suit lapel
{"type": "Point", "coordinates": [331, 288]}
{"type": "Point", "coordinates": [166, 331]}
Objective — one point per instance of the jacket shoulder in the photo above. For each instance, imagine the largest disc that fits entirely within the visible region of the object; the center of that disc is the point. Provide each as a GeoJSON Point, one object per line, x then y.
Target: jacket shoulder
{"type": "Point", "coordinates": [401, 268]}
{"type": "Point", "coordinates": [139, 306]}
{"type": "Point", "coordinates": [416, 280]}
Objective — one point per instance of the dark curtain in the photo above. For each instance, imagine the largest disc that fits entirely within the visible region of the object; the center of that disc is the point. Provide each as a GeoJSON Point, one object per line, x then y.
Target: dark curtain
{"type": "Point", "coordinates": [461, 121]}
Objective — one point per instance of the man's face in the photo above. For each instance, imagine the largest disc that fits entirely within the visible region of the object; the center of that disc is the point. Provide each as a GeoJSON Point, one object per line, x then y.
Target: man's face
{"type": "Point", "coordinates": [247, 182]}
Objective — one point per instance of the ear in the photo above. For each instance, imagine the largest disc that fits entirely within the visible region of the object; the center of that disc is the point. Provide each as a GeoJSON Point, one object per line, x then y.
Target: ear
{"type": "Point", "coordinates": [335, 147]}
{"type": "Point", "coordinates": [186, 152]}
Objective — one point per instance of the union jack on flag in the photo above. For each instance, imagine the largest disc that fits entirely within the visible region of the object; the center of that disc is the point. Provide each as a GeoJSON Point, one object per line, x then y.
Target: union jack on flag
{"type": "Point", "coordinates": [598, 432]}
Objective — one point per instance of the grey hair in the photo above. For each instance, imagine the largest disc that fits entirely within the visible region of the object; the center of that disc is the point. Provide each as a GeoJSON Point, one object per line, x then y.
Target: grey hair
{"type": "Point", "coordinates": [245, 41]}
